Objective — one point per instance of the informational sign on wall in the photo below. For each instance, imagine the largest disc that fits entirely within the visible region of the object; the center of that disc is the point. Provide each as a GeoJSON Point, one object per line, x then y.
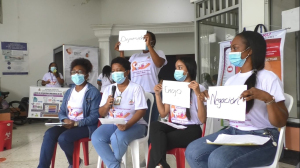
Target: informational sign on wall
{"type": "Point", "coordinates": [15, 58]}
{"type": "Point", "coordinates": [45, 102]}
{"type": "Point", "coordinates": [71, 53]}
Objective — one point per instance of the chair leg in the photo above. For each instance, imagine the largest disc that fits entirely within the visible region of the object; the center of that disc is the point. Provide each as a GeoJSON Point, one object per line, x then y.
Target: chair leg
{"type": "Point", "coordinates": [149, 149]}
{"type": "Point", "coordinates": [99, 162]}
{"type": "Point", "coordinates": [124, 159]}
{"type": "Point", "coordinates": [135, 154]}
{"type": "Point", "coordinates": [180, 159]}
{"type": "Point", "coordinates": [85, 146]}
{"type": "Point", "coordinates": [53, 157]}
{"type": "Point", "coordinates": [76, 154]}
{"type": "Point", "coordinates": [146, 152]}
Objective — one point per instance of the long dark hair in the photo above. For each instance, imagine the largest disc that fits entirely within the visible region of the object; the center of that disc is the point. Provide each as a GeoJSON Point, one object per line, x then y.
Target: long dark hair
{"type": "Point", "coordinates": [153, 38]}
{"type": "Point", "coordinates": [257, 44]}
{"type": "Point", "coordinates": [106, 71]}
{"type": "Point", "coordinates": [49, 70]}
{"type": "Point", "coordinates": [191, 67]}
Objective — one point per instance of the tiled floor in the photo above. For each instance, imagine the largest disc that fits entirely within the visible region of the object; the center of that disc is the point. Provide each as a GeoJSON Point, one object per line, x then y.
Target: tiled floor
{"type": "Point", "coordinates": [26, 146]}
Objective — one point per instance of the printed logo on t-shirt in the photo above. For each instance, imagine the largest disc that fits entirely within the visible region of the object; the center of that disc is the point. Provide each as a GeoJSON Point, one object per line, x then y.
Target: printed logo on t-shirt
{"type": "Point", "coordinates": [139, 66]}
{"type": "Point", "coordinates": [114, 114]}
{"type": "Point", "coordinates": [75, 114]}
{"type": "Point", "coordinates": [131, 102]}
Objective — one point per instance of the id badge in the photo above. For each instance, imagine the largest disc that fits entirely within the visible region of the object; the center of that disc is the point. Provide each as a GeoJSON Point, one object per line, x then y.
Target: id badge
{"type": "Point", "coordinates": [118, 100]}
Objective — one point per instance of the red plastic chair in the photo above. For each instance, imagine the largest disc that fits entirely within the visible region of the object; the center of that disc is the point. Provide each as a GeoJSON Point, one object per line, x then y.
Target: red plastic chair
{"type": "Point", "coordinates": [76, 152]}
{"type": "Point", "coordinates": [178, 152]}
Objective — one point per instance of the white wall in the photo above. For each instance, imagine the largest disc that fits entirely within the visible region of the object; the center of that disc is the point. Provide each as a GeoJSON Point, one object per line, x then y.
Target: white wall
{"type": "Point", "coordinates": [145, 11]}
{"type": "Point", "coordinates": [44, 25]}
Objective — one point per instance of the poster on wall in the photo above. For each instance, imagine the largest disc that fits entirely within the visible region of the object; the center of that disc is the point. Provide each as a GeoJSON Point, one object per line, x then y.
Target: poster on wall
{"type": "Point", "coordinates": [274, 62]}
{"type": "Point", "coordinates": [71, 53]}
{"type": "Point", "coordinates": [15, 58]}
{"type": "Point", "coordinates": [45, 102]}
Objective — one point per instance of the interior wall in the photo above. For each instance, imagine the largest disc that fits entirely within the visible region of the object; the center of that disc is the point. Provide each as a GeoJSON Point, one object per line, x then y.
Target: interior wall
{"type": "Point", "coordinates": [290, 87]}
{"type": "Point", "coordinates": [44, 25]}
{"type": "Point", "coordinates": [142, 11]}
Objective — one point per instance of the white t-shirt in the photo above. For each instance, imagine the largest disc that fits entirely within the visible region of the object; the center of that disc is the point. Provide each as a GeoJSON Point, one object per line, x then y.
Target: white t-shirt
{"type": "Point", "coordinates": [257, 118]}
{"type": "Point", "coordinates": [133, 98]}
{"type": "Point", "coordinates": [178, 114]}
{"type": "Point", "coordinates": [143, 70]}
{"type": "Point", "coordinates": [75, 104]}
{"type": "Point", "coordinates": [52, 78]}
{"type": "Point", "coordinates": [105, 81]}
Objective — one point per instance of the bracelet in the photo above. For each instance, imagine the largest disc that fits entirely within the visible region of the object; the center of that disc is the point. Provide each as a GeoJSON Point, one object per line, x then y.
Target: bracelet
{"type": "Point", "coordinates": [272, 101]}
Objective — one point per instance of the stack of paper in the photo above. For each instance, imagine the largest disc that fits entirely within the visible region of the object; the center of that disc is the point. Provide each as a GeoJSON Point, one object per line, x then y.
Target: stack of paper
{"type": "Point", "coordinates": [175, 125]}
{"type": "Point", "coordinates": [55, 124]}
{"type": "Point", "coordinates": [112, 121]}
{"type": "Point", "coordinates": [239, 140]}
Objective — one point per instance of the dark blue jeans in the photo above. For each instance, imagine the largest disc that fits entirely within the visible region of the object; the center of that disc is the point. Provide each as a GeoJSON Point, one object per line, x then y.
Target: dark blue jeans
{"type": "Point", "coordinates": [65, 138]}
{"type": "Point", "coordinates": [199, 154]}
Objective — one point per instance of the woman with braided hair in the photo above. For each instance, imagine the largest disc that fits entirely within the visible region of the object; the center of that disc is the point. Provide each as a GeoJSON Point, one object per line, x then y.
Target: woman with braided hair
{"type": "Point", "coordinates": [265, 111]}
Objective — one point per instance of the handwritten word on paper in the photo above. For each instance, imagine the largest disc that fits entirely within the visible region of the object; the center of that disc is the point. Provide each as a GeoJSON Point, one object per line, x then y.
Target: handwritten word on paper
{"type": "Point", "coordinates": [224, 102]}
{"type": "Point", "coordinates": [132, 40]}
{"type": "Point", "coordinates": [176, 93]}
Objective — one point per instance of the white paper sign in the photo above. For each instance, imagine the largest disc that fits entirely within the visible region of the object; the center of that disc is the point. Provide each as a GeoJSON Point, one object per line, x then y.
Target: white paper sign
{"type": "Point", "coordinates": [224, 102]}
{"type": "Point", "coordinates": [132, 40]}
{"type": "Point", "coordinates": [239, 140]}
{"type": "Point", "coordinates": [176, 93]}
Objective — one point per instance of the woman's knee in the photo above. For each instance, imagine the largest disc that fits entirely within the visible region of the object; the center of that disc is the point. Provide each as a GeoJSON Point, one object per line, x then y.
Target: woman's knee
{"type": "Point", "coordinates": [154, 127]}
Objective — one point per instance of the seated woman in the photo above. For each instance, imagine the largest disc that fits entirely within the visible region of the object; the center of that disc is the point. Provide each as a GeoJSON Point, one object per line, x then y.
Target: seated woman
{"type": "Point", "coordinates": [53, 78]}
{"type": "Point", "coordinates": [164, 137]}
{"type": "Point", "coordinates": [129, 102]}
{"type": "Point", "coordinates": [265, 110]}
{"type": "Point", "coordinates": [79, 111]}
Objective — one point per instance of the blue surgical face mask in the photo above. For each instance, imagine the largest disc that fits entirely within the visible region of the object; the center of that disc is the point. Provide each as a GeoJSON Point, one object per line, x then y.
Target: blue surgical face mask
{"type": "Point", "coordinates": [52, 69]}
{"type": "Point", "coordinates": [78, 79]}
{"type": "Point", "coordinates": [178, 75]}
{"type": "Point", "coordinates": [118, 77]}
{"type": "Point", "coordinates": [236, 58]}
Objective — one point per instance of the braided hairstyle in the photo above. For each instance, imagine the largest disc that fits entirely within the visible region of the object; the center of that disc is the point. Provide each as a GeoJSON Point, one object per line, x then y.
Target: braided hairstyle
{"type": "Point", "coordinates": [191, 67]}
{"type": "Point", "coordinates": [257, 44]}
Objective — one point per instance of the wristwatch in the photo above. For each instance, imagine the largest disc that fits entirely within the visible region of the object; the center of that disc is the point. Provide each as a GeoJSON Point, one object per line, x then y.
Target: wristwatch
{"type": "Point", "coordinates": [76, 123]}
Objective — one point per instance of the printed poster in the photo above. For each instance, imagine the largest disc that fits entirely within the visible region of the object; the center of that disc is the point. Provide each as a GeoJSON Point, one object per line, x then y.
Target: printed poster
{"type": "Point", "coordinates": [71, 53]}
{"type": "Point", "coordinates": [45, 102]}
{"type": "Point", "coordinates": [15, 58]}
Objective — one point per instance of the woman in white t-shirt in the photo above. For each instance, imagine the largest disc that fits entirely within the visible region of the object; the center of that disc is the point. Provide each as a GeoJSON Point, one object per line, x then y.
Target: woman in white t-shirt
{"type": "Point", "coordinates": [53, 78]}
{"type": "Point", "coordinates": [164, 137]}
{"type": "Point", "coordinates": [104, 79]}
{"type": "Point", "coordinates": [145, 67]}
{"type": "Point", "coordinates": [265, 111]}
{"type": "Point", "coordinates": [129, 102]}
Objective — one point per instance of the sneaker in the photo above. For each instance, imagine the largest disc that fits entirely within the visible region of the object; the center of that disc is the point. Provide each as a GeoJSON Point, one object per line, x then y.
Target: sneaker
{"type": "Point", "coordinates": [80, 164]}
{"type": "Point", "coordinates": [143, 164]}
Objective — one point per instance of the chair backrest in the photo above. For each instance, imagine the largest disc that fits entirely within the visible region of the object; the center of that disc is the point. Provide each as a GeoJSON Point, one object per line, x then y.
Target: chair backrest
{"type": "Point", "coordinates": [288, 103]}
{"type": "Point", "coordinates": [149, 96]}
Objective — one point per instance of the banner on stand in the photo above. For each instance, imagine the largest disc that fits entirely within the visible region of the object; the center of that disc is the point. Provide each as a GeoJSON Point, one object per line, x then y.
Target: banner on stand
{"type": "Point", "coordinates": [45, 102]}
{"type": "Point", "coordinates": [71, 53]}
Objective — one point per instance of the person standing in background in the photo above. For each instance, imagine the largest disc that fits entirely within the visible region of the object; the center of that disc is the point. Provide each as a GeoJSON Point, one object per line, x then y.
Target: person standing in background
{"type": "Point", "coordinates": [145, 67]}
{"type": "Point", "coordinates": [104, 78]}
{"type": "Point", "coordinates": [53, 78]}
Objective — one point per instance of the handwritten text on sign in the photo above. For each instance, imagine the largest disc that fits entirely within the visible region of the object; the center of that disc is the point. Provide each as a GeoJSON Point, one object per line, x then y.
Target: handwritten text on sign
{"type": "Point", "coordinates": [176, 93]}
{"type": "Point", "coordinates": [224, 102]}
{"type": "Point", "coordinates": [132, 40]}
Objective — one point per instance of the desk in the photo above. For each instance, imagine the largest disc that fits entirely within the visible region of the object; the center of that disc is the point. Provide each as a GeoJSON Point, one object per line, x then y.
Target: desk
{"type": "Point", "coordinates": [45, 102]}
